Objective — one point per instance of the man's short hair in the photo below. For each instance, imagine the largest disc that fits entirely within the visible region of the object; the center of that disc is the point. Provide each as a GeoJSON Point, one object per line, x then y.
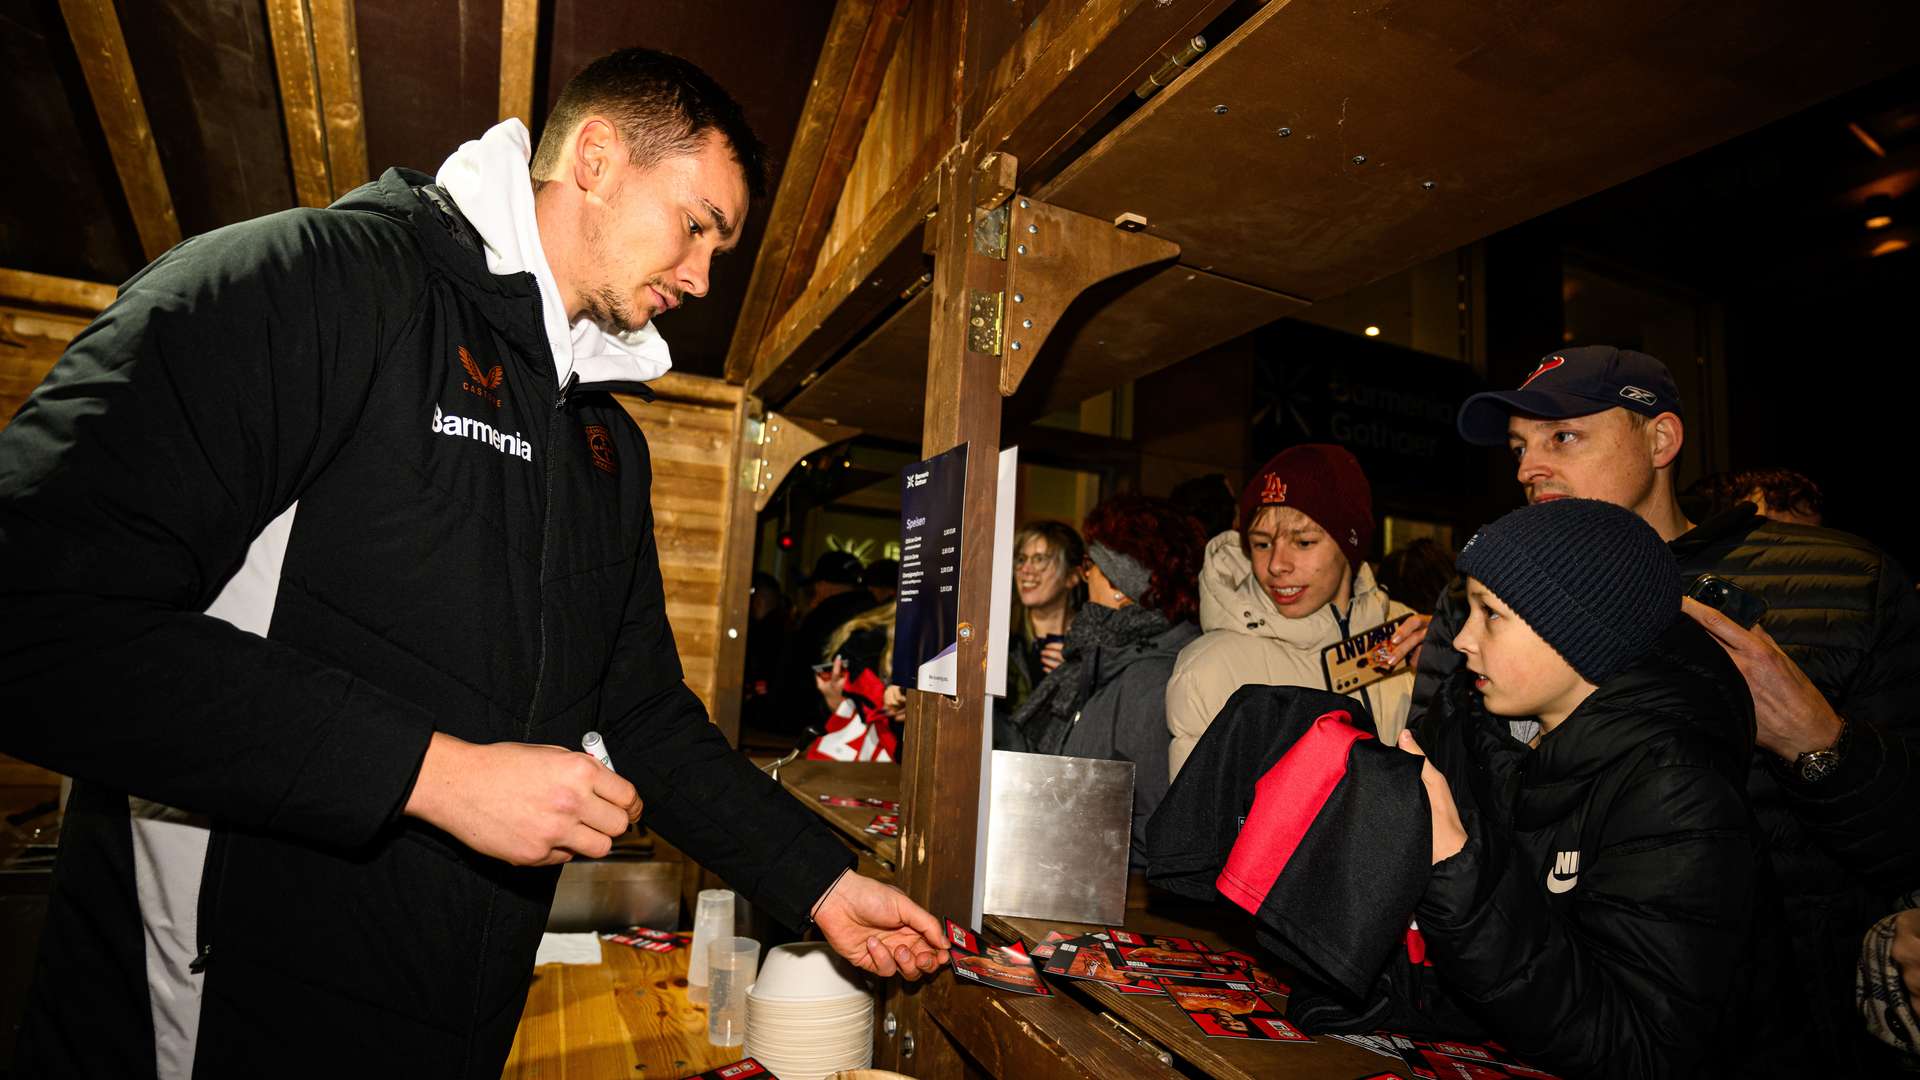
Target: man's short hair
{"type": "Point", "coordinates": [661, 105]}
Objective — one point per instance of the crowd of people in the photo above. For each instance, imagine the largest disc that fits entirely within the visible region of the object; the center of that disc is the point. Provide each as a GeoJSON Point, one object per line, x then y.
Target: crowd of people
{"type": "Point", "coordinates": [1664, 839]}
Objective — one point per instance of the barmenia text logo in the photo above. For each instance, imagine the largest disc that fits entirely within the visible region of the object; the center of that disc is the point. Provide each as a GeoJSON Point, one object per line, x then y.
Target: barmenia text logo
{"type": "Point", "coordinates": [462, 427]}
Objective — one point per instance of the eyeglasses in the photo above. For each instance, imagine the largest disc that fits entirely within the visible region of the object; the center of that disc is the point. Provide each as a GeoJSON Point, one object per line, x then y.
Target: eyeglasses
{"type": "Point", "coordinates": [1039, 562]}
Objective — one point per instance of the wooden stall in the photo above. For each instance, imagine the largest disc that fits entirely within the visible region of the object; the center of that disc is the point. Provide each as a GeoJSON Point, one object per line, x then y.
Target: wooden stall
{"type": "Point", "coordinates": [1054, 237]}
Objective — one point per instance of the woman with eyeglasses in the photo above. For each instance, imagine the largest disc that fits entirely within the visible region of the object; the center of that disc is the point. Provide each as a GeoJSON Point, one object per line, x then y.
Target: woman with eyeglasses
{"type": "Point", "coordinates": [1048, 590]}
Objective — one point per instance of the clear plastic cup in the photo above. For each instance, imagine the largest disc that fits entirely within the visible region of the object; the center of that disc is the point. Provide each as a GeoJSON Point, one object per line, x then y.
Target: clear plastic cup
{"type": "Point", "coordinates": [712, 920]}
{"type": "Point", "coordinates": [732, 963]}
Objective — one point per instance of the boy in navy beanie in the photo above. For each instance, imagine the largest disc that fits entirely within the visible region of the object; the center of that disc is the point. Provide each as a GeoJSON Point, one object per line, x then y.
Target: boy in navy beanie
{"type": "Point", "coordinates": [1599, 897]}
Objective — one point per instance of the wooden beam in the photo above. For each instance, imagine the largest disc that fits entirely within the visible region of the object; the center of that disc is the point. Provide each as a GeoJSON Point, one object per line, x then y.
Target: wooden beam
{"type": "Point", "coordinates": [843, 143]}
{"type": "Point", "coordinates": [1012, 1035]}
{"type": "Point", "coordinates": [336, 50]}
{"type": "Point", "coordinates": [45, 291]}
{"type": "Point", "coordinates": [1088, 54]}
{"type": "Point", "coordinates": [850, 57]}
{"type": "Point", "coordinates": [292, 33]}
{"type": "Point", "coordinates": [102, 50]}
{"type": "Point", "coordinates": [519, 40]}
{"type": "Point", "coordinates": [862, 282]}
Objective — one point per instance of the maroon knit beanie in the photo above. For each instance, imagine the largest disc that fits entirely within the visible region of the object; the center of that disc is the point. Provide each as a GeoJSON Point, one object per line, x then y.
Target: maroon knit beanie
{"type": "Point", "coordinates": [1325, 483]}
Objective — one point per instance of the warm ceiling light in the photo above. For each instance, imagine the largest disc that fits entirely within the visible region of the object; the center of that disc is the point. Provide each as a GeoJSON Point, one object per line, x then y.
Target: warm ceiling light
{"type": "Point", "coordinates": [1373, 331]}
{"type": "Point", "coordinates": [1888, 247]}
{"type": "Point", "coordinates": [1879, 221]}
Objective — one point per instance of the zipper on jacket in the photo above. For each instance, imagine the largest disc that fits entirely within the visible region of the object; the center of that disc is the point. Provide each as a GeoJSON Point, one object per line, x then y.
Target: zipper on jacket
{"type": "Point", "coordinates": [208, 902]}
{"type": "Point", "coordinates": [554, 424]}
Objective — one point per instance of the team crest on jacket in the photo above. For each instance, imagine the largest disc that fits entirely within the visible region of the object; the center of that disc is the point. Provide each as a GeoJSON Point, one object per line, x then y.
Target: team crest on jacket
{"type": "Point", "coordinates": [481, 384]}
{"type": "Point", "coordinates": [600, 445]}
{"type": "Point", "coordinates": [1275, 490]}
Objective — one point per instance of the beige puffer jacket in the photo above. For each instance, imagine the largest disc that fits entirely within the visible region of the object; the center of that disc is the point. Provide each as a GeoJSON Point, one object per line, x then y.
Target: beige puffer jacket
{"type": "Point", "coordinates": [1247, 640]}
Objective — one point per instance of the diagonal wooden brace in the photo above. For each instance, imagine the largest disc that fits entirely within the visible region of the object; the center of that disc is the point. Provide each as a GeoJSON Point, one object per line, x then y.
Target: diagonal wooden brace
{"type": "Point", "coordinates": [783, 441]}
{"type": "Point", "coordinates": [1054, 255]}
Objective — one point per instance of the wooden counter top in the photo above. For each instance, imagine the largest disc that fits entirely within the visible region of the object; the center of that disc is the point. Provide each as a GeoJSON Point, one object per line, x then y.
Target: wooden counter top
{"type": "Point", "coordinates": [1159, 1020]}
{"type": "Point", "coordinates": [626, 1017]}
{"type": "Point", "coordinates": [808, 780]}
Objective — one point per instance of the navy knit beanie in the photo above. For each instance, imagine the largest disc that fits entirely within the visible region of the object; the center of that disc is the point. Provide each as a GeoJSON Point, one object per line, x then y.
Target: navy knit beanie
{"type": "Point", "coordinates": [1592, 579]}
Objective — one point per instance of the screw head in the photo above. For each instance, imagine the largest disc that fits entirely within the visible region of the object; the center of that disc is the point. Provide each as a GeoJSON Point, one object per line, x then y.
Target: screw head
{"type": "Point", "coordinates": [1359, 159]}
{"type": "Point", "coordinates": [1026, 324]}
{"type": "Point", "coordinates": [1019, 298]}
{"type": "Point", "coordinates": [1284, 132]}
{"type": "Point", "coordinates": [1219, 110]}
{"type": "Point", "coordinates": [1023, 204]}
{"type": "Point", "coordinates": [1022, 249]}
{"type": "Point", "coordinates": [732, 633]}
{"type": "Point", "coordinates": [1033, 228]}
{"type": "Point", "coordinates": [1016, 346]}
{"type": "Point", "coordinates": [1427, 185]}
{"type": "Point", "coordinates": [891, 1024]}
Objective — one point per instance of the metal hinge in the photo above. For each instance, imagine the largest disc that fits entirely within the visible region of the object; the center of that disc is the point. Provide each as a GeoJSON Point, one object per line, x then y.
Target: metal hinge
{"type": "Point", "coordinates": [990, 232]}
{"type": "Point", "coordinates": [984, 313]}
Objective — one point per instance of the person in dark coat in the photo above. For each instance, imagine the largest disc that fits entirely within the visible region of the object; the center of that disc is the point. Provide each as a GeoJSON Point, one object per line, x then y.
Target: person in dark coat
{"type": "Point", "coordinates": [1108, 698]}
{"type": "Point", "coordinates": [1833, 666]}
{"type": "Point", "coordinates": [1601, 899]}
{"type": "Point", "coordinates": [836, 595]}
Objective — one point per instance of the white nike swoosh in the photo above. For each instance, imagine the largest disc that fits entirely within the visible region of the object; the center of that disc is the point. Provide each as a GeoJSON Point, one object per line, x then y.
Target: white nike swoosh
{"type": "Point", "coordinates": [1558, 884]}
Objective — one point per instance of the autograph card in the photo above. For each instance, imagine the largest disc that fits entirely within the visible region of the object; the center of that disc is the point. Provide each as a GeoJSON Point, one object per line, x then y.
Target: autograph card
{"type": "Point", "coordinates": [1003, 967]}
{"type": "Point", "coordinates": [1350, 664]}
{"type": "Point", "coordinates": [1230, 1010]}
{"type": "Point", "coordinates": [1087, 958]}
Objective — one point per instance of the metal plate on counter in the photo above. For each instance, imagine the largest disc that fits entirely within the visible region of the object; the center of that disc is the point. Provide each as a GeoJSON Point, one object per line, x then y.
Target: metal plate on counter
{"type": "Point", "coordinates": [1058, 833]}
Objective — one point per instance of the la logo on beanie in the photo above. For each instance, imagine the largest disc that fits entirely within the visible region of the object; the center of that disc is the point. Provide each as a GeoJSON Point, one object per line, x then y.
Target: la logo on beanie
{"type": "Point", "coordinates": [1275, 490]}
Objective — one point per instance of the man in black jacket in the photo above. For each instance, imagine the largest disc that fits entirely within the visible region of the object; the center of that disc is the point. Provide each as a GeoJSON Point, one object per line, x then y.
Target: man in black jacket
{"type": "Point", "coordinates": [320, 550]}
{"type": "Point", "coordinates": [1838, 799]}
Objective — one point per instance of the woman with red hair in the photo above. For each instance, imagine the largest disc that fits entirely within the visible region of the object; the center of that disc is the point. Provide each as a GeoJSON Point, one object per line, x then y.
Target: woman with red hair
{"type": "Point", "coordinates": [1108, 697]}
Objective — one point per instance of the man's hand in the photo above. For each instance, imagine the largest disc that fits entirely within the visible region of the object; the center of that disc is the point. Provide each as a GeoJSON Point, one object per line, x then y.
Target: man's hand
{"type": "Point", "coordinates": [1449, 833]}
{"type": "Point", "coordinates": [1906, 952]}
{"type": "Point", "coordinates": [1407, 639]}
{"type": "Point", "coordinates": [523, 804]}
{"type": "Point", "coordinates": [876, 928]}
{"type": "Point", "coordinates": [1792, 717]}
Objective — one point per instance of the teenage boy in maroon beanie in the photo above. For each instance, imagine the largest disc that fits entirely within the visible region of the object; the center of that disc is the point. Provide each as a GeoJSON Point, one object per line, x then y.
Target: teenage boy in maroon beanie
{"type": "Point", "coordinates": [1292, 581]}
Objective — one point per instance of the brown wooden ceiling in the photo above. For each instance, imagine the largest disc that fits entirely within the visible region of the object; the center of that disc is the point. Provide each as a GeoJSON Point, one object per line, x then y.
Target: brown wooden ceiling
{"type": "Point", "coordinates": [430, 72]}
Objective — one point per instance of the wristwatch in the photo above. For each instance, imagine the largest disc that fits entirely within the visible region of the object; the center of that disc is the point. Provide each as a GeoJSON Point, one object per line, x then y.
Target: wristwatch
{"type": "Point", "coordinates": [1814, 766]}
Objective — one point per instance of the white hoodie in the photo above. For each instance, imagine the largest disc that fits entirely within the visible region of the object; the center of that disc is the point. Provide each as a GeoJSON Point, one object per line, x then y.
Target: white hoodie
{"type": "Point", "coordinates": [1248, 641]}
{"type": "Point", "coordinates": [488, 180]}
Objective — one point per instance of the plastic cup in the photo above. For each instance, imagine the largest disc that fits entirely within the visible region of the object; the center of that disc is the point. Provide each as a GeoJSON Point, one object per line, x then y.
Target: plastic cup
{"type": "Point", "coordinates": [712, 920]}
{"type": "Point", "coordinates": [731, 965]}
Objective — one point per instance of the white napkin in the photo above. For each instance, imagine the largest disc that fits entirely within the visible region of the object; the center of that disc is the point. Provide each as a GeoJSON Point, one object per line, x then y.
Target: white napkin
{"type": "Point", "coordinates": [568, 949]}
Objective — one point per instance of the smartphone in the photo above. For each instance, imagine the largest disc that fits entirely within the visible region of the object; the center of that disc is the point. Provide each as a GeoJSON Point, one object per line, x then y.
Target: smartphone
{"type": "Point", "coordinates": [826, 668]}
{"type": "Point", "coordinates": [1728, 599]}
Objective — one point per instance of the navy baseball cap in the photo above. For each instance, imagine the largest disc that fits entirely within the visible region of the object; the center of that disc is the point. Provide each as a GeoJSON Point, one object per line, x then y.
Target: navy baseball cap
{"type": "Point", "coordinates": [1576, 382]}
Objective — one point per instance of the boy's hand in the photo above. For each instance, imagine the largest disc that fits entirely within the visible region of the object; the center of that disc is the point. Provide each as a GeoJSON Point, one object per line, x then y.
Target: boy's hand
{"type": "Point", "coordinates": [1449, 833]}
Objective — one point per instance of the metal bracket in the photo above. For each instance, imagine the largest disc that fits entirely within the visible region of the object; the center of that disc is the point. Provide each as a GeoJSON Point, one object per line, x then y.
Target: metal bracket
{"type": "Point", "coordinates": [990, 232]}
{"type": "Point", "coordinates": [985, 311]}
{"type": "Point", "coordinates": [783, 441]}
{"type": "Point", "coordinates": [1057, 255]}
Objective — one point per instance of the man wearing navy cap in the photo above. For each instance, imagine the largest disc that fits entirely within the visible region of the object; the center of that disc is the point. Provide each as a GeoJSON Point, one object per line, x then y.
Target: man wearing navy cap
{"type": "Point", "coordinates": [1833, 667]}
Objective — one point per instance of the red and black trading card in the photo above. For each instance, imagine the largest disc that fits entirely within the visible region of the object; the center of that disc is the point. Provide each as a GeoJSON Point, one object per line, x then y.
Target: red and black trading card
{"type": "Point", "coordinates": [1475, 1061]}
{"type": "Point", "coordinates": [1155, 961]}
{"type": "Point", "coordinates": [1154, 941]}
{"type": "Point", "coordinates": [641, 937]}
{"type": "Point", "coordinates": [842, 800]}
{"type": "Point", "coordinates": [884, 825]}
{"type": "Point", "coordinates": [887, 805]}
{"type": "Point", "coordinates": [1003, 967]}
{"type": "Point", "coordinates": [1087, 958]}
{"type": "Point", "coordinates": [746, 1069]}
{"type": "Point", "coordinates": [1261, 977]}
{"type": "Point", "coordinates": [1230, 1010]}
{"type": "Point", "coordinates": [1045, 948]}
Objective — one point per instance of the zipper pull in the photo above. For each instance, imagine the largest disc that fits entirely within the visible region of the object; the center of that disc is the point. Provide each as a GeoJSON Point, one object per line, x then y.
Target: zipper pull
{"type": "Point", "coordinates": [573, 379]}
{"type": "Point", "coordinates": [199, 964]}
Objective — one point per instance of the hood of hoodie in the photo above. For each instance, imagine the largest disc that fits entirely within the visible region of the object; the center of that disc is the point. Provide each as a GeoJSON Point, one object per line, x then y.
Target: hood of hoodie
{"type": "Point", "coordinates": [1231, 598]}
{"type": "Point", "coordinates": [488, 179]}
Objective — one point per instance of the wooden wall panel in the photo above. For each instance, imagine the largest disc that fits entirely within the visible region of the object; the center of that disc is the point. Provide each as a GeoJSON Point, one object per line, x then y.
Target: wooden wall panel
{"type": "Point", "coordinates": [694, 433]}
{"type": "Point", "coordinates": [914, 112]}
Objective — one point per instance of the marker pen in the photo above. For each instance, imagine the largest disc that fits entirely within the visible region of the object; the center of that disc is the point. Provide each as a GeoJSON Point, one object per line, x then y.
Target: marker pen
{"type": "Point", "coordinates": [593, 744]}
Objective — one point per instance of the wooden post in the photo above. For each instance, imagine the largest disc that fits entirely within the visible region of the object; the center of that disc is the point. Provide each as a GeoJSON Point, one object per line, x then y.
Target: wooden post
{"type": "Point", "coordinates": [519, 35]}
{"type": "Point", "coordinates": [940, 778]}
{"type": "Point", "coordinates": [291, 28]}
{"type": "Point", "coordinates": [336, 51]}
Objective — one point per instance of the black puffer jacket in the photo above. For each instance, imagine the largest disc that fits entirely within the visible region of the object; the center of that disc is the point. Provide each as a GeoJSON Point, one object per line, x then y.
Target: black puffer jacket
{"type": "Point", "coordinates": [1611, 913]}
{"type": "Point", "coordinates": [1841, 851]}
